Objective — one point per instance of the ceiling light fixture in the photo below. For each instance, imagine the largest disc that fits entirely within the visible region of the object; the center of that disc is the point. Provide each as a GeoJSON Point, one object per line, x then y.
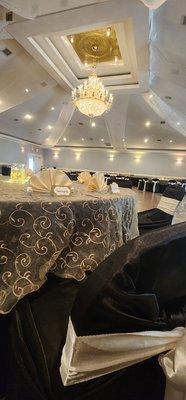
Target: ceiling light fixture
{"type": "Point", "coordinates": [82, 139]}
{"type": "Point", "coordinates": [65, 139]}
{"type": "Point", "coordinates": [52, 108]}
{"type": "Point", "coordinates": [116, 59]}
{"type": "Point", "coordinates": [146, 140]}
{"type": "Point", "coordinates": [178, 123]}
{"type": "Point", "coordinates": [28, 116]}
{"type": "Point", "coordinates": [49, 127]}
{"type": "Point", "coordinates": [102, 140]}
{"type": "Point", "coordinates": [56, 155]}
{"type": "Point", "coordinates": [22, 149]}
{"type": "Point", "coordinates": [147, 124]}
{"type": "Point", "coordinates": [93, 124]}
{"type": "Point", "coordinates": [26, 90]}
{"type": "Point", "coordinates": [150, 96]}
{"type": "Point", "coordinates": [91, 97]}
{"type": "Point", "coordinates": [85, 63]}
{"type": "Point", "coordinates": [170, 141]}
{"type": "Point", "coordinates": [71, 39]}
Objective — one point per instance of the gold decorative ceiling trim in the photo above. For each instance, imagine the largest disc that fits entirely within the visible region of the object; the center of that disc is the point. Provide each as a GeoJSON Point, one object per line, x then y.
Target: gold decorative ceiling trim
{"type": "Point", "coordinates": [96, 46]}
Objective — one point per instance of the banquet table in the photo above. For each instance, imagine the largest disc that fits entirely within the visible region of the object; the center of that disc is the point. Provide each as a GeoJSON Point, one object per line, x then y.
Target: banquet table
{"type": "Point", "coordinates": [67, 236]}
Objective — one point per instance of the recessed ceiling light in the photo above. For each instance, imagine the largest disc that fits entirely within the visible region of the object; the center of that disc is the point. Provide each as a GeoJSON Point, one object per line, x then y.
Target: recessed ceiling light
{"type": "Point", "coordinates": [178, 123]}
{"type": "Point", "coordinates": [146, 140]}
{"type": "Point", "coordinates": [123, 140]}
{"type": "Point", "coordinates": [150, 96]}
{"type": "Point", "coordinates": [49, 127]}
{"type": "Point", "coordinates": [65, 139]}
{"type": "Point", "coordinates": [170, 141]}
{"type": "Point", "coordinates": [102, 140]}
{"type": "Point", "coordinates": [52, 108]}
{"type": "Point", "coordinates": [108, 31]}
{"type": "Point", "coordinates": [28, 116]}
{"type": "Point", "coordinates": [26, 90]}
{"type": "Point", "coordinates": [82, 139]}
{"type": "Point", "coordinates": [72, 39]}
{"type": "Point", "coordinates": [147, 123]}
{"type": "Point", "coordinates": [93, 124]}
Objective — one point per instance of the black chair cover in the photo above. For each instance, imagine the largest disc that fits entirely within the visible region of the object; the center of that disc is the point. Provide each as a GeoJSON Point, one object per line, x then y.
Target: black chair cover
{"type": "Point", "coordinates": [150, 185]}
{"type": "Point", "coordinates": [6, 170]}
{"type": "Point", "coordinates": [142, 286]}
{"type": "Point", "coordinates": [155, 218]}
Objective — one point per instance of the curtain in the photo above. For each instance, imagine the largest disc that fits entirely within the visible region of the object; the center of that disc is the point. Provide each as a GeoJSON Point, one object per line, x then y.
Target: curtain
{"type": "Point", "coordinates": [153, 4]}
{"type": "Point", "coordinates": [31, 8]}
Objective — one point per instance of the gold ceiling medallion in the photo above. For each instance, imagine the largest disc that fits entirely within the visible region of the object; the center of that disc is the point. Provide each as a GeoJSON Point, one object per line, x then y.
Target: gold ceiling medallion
{"type": "Point", "coordinates": [96, 46]}
{"type": "Point", "coordinates": [91, 98]}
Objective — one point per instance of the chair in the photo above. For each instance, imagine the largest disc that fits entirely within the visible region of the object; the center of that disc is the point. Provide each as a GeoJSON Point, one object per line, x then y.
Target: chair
{"type": "Point", "coordinates": [163, 185]}
{"type": "Point", "coordinates": [142, 183]}
{"type": "Point", "coordinates": [163, 214]}
{"type": "Point", "coordinates": [122, 295]}
{"type": "Point", "coordinates": [152, 185]}
{"type": "Point", "coordinates": [6, 170]}
{"type": "Point", "coordinates": [123, 182]}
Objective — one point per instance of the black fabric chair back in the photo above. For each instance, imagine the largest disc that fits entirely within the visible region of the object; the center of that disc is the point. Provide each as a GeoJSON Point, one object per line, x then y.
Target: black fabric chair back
{"type": "Point", "coordinates": [6, 170]}
{"type": "Point", "coordinates": [174, 192]}
{"type": "Point", "coordinates": [137, 287]}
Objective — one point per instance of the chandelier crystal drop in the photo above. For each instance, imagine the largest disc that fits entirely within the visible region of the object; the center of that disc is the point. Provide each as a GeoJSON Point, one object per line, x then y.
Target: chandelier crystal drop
{"type": "Point", "coordinates": [91, 98]}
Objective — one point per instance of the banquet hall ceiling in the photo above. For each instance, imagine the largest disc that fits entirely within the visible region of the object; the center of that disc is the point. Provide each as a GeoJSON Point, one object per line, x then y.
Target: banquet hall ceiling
{"type": "Point", "coordinates": [148, 81]}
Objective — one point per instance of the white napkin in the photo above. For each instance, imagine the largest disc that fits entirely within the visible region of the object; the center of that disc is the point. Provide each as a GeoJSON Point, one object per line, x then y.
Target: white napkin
{"type": "Point", "coordinates": [84, 177]}
{"type": "Point", "coordinates": [46, 180]}
{"type": "Point", "coordinates": [97, 182]}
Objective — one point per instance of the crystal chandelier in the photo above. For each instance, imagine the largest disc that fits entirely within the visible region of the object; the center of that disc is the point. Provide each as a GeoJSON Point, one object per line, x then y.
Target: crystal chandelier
{"type": "Point", "coordinates": [91, 98]}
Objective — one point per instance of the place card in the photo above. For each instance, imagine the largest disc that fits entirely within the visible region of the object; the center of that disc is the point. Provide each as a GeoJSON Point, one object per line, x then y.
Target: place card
{"type": "Point", "coordinates": [62, 191]}
{"type": "Point", "coordinates": [114, 188]}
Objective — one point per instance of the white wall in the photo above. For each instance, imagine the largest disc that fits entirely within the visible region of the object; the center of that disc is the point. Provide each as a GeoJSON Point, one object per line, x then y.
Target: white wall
{"type": "Point", "coordinates": [135, 162]}
{"type": "Point", "coordinates": [16, 151]}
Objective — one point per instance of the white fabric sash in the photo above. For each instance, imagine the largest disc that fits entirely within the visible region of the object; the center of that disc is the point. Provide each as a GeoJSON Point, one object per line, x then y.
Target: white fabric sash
{"type": "Point", "coordinates": [88, 357]}
{"type": "Point", "coordinates": [154, 186]}
{"type": "Point", "coordinates": [168, 205]}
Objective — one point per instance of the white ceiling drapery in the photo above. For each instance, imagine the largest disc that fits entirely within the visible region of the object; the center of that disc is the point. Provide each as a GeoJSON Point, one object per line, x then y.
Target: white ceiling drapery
{"type": "Point", "coordinates": [153, 4]}
{"type": "Point", "coordinates": [32, 8]}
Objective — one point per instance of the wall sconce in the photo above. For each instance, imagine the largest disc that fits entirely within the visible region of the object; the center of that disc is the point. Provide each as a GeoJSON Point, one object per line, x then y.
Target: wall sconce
{"type": "Point", "coordinates": [78, 156]}
{"type": "Point", "coordinates": [56, 155]}
{"type": "Point", "coordinates": [138, 159]}
{"type": "Point", "coordinates": [179, 161]}
{"type": "Point", "coordinates": [22, 149]}
{"type": "Point", "coordinates": [111, 157]}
